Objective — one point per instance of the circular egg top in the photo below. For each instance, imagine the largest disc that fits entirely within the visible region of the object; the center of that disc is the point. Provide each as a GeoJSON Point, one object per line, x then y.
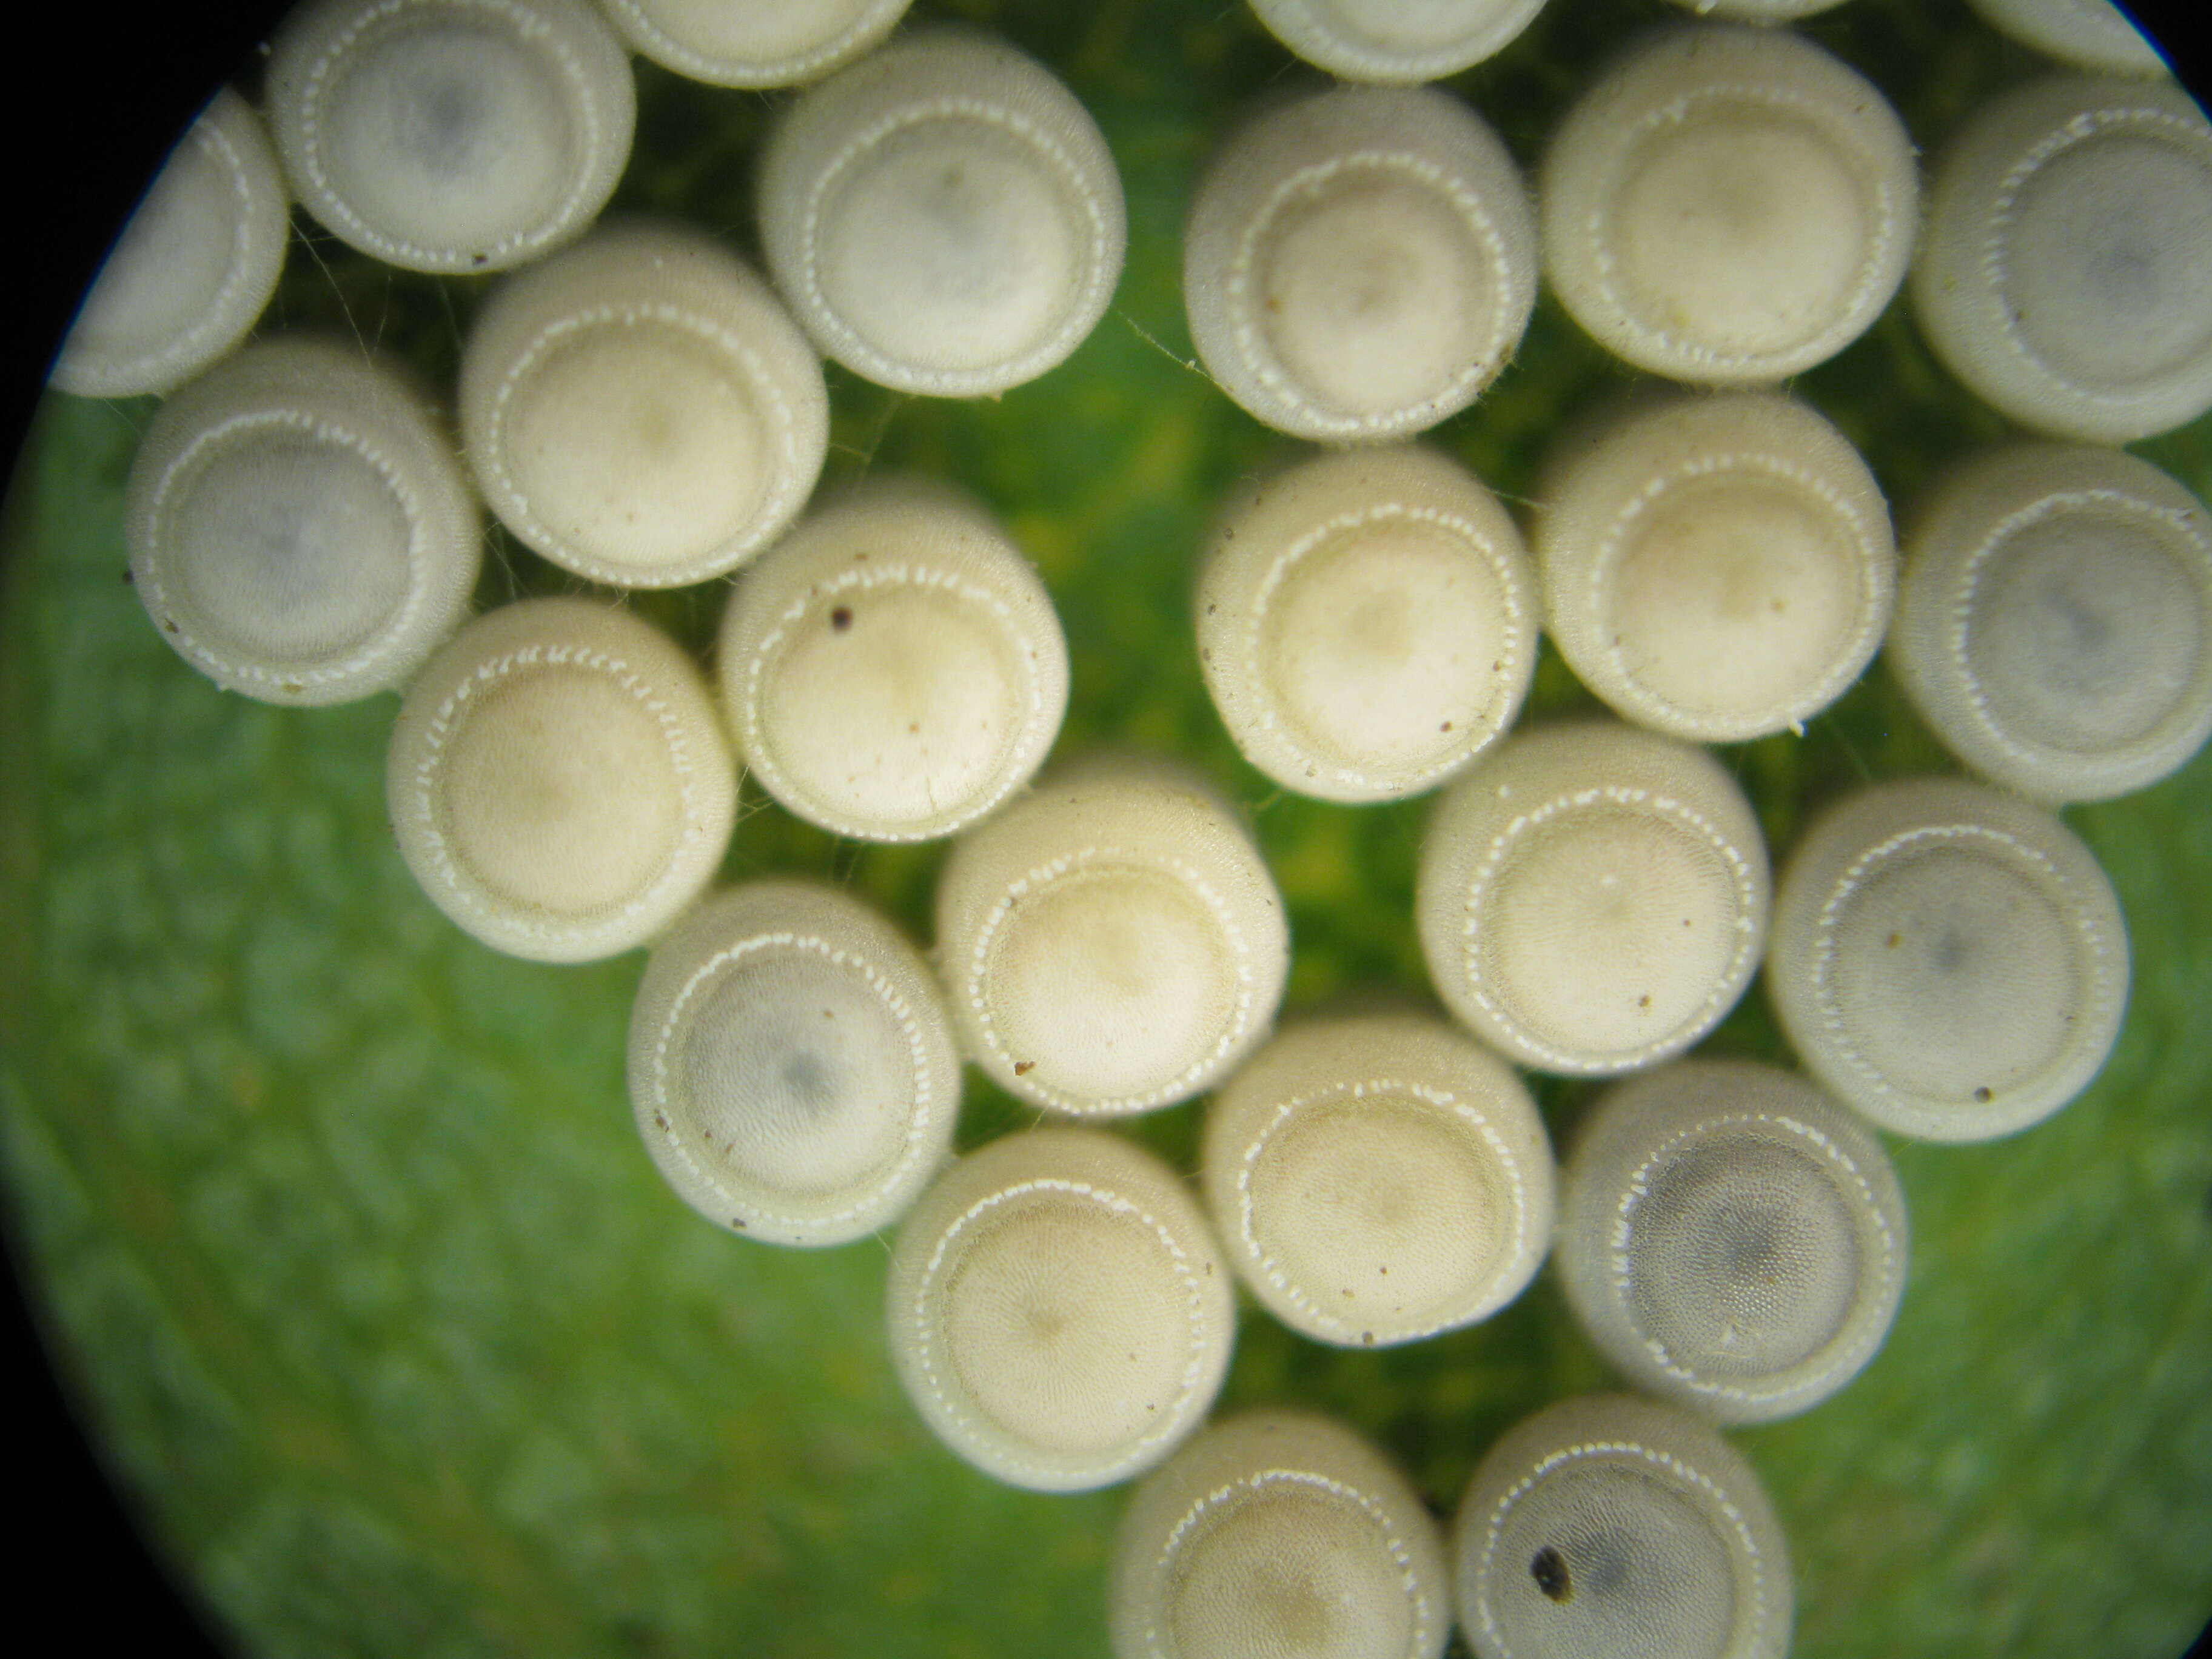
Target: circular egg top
{"type": "Point", "coordinates": [640, 409]}
{"type": "Point", "coordinates": [1395, 42]}
{"type": "Point", "coordinates": [450, 136]}
{"type": "Point", "coordinates": [559, 783]}
{"type": "Point", "coordinates": [1608, 1527]}
{"type": "Point", "coordinates": [1592, 898]}
{"type": "Point", "coordinates": [1059, 1314]}
{"type": "Point", "coordinates": [1367, 623]}
{"type": "Point", "coordinates": [299, 528]}
{"type": "Point", "coordinates": [1947, 959]}
{"type": "Point", "coordinates": [943, 215]}
{"type": "Point", "coordinates": [1273, 1533]}
{"type": "Point", "coordinates": [1731, 1238]}
{"type": "Point", "coordinates": [893, 669]}
{"type": "Point", "coordinates": [2053, 625]}
{"type": "Point", "coordinates": [194, 268]}
{"type": "Point", "coordinates": [1376, 1179]}
{"type": "Point", "coordinates": [1359, 263]}
{"type": "Point", "coordinates": [792, 1065]}
{"type": "Point", "coordinates": [1728, 206]}
{"type": "Point", "coordinates": [1716, 568]}
{"type": "Point", "coordinates": [2060, 276]}
{"type": "Point", "coordinates": [1112, 941]}
{"type": "Point", "coordinates": [755, 43]}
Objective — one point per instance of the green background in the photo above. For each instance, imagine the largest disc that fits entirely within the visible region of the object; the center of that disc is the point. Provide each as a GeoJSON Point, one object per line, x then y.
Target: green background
{"type": "Point", "coordinates": [379, 1311]}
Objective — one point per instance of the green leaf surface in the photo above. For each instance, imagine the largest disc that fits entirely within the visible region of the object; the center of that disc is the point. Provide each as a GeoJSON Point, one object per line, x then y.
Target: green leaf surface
{"type": "Point", "coordinates": [380, 1310]}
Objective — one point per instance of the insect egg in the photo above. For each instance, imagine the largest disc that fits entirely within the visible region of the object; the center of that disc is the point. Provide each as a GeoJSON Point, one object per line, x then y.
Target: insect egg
{"type": "Point", "coordinates": [1359, 263]}
{"type": "Point", "coordinates": [1377, 1179]}
{"type": "Point", "coordinates": [559, 781]}
{"type": "Point", "coordinates": [1112, 941]}
{"type": "Point", "coordinates": [193, 270]}
{"type": "Point", "coordinates": [893, 669]}
{"type": "Point", "coordinates": [1715, 566]}
{"type": "Point", "coordinates": [1731, 1238]}
{"type": "Point", "coordinates": [1592, 898]}
{"type": "Point", "coordinates": [2060, 273]}
{"type": "Point", "coordinates": [640, 409]}
{"type": "Point", "coordinates": [1366, 623]}
{"type": "Point", "coordinates": [450, 136]}
{"type": "Point", "coordinates": [1947, 959]}
{"type": "Point", "coordinates": [1756, 11]}
{"type": "Point", "coordinates": [2054, 621]}
{"type": "Point", "coordinates": [298, 524]}
{"type": "Point", "coordinates": [1059, 1314]}
{"type": "Point", "coordinates": [943, 216]}
{"type": "Point", "coordinates": [1608, 1527]}
{"type": "Point", "coordinates": [755, 43]}
{"type": "Point", "coordinates": [1395, 42]}
{"type": "Point", "coordinates": [792, 1065]}
{"type": "Point", "coordinates": [1728, 206]}
{"type": "Point", "coordinates": [2094, 34]}
{"type": "Point", "coordinates": [1278, 1533]}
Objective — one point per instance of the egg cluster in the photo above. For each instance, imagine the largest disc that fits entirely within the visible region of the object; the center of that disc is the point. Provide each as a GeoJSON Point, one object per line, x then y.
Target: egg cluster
{"type": "Point", "coordinates": [1725, 206]}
